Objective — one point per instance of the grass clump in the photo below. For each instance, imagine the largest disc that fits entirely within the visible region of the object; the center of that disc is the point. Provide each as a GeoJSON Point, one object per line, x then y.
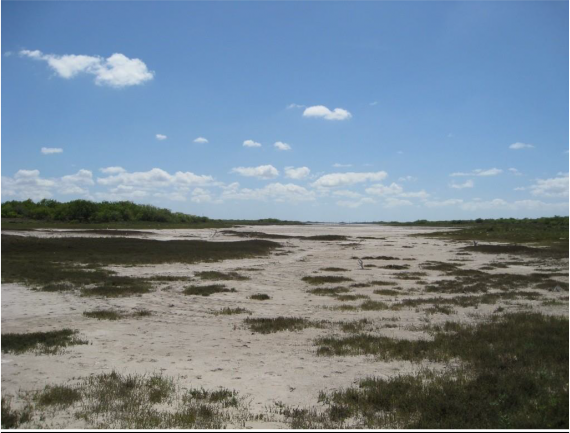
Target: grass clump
{"type": "Point", "coordinates": [12, 418]}
{"type": "Point", "coordinates": [227, 311]}
{"type": "Point", "coordinates": [118, 288]}
{"type": "Point", "coordinates": [351, 297]}
{"type": "Point", "coordinates": [329, 291]}
{"type": "Point", "coordinates": [61, 396]}
{"type": "Point", "coordinates": [324, 279]}
{"type": "Point", "coordinates": [104, 314]}
{"type": "Point", "coordinates": [386, 292]}
{"type": "Point", "coordinates": [207, 290]}
{"type": "Point", "coordinates": [513, 374]}
{"type": "Point", "coordinates": [278, 324]}
{"type": "Point", "coordinates": [260, 297]}
{"type": "Point", "coordinates": [333, 269]}
{"type": "Point", "coordinates": [48, 343]}
{"type": "Point", "coordinates": [215, 275]}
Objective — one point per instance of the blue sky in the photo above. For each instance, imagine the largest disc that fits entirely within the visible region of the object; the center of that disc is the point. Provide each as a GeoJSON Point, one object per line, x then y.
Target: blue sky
{"type": "Point", "coordinates": [353, 111]}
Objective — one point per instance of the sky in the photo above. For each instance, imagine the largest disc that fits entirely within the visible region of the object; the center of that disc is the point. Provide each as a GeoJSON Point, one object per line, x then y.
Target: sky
{"type": "Point", "coordinates": [313, 111]}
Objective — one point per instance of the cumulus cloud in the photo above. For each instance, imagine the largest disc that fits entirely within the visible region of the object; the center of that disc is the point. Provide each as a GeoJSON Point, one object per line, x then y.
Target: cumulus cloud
{"type": "Point", "coordinates": [480, 172]}
{"type": "Point", "coordinates": [277, 192]}
{"type": "Point", "coordinates": [251, 143]}
{"type": "Point", "coordinates": [260, 172]}
{"type": "Point", "coordinates": [519, 146]}
{"type": "Point", "coordinates": [51, 150]}
{"type": "Point", "coordinates": [553, 187]}
{"type": "Point", "coordinates": [279, 145]}
{"type": "Point", "coordinates": [84, 177]}
{"type": "Point", "coordinates": [324, 113]}
{"type": "Point", "coordinates": [161, 137]}
{"type": "Point", "coordinates": [201, 140]}
{"type": "Point", "coordinates": [407, 179]}
{"type": "Point", "coordinates": [467, 184]}
{"type": "Point", "coordinates": [155, 178]}
{"type": "Point", "coordinates": [297, 173]}
{"type": "Point", "coordinates": [515, 172]}
{"type": "Point", "coordinates": [381, 190]}
{"type": "Point", "coordinates": [355, 203]}
{"type": "Point", "coordinates": [392, 202]}
{"type": "Point", "coordinates": [349, 178]}
{"type": "Point", "coordinates": [442, 203]}
{"type": "Point", "coordinates": [347, 193]}
{"type": "Point", "coordinates": [115, 71]}
{"type": "Point", "coordinates": [112, 170]}
{"type": "Point", "coordinates": [29, 184]}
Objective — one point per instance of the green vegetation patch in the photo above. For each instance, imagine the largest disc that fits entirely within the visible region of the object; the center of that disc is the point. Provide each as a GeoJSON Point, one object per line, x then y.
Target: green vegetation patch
{"type": "Point", "coordinates": [49, 343]}
{"type": "Point", "coordinates": [227, 311]}
{"type": "Point", "coordinates": [279, 324]}
{"type": "Point", "coordinates": [325, 279]}
{"type": "Point", "coordinates": [328, 291]}
{"type": "Point", "coordinates": [260, 297]}
{"type": "Point", "coordinates": [216, 275]}
{"type": "Point", "coordinates": [513, 374]}
{"type": "Point", "coordinates": [207, 290]}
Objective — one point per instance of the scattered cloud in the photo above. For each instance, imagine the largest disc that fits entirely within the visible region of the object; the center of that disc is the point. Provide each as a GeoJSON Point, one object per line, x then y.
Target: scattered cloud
{"type": "Point", "coordinates": [260, 172]}
{"type": "Point", "coordinates": [161, 137]}
{"type": "Point", "coordinates": [442, 203]}
{"type": "Point", "coordinates": [277, 192]}
{"type": "Point", "coordinates": [553, 187]}
{"type": "Point", "coordinates": [347, 193]}
{"type": "Point", "coordinates": [84, 177]}
{"type": "Point", "coordinates": [324, 113]}
{"type": "Point", "coordinates": [290, 106]}
{"type": "Point", "coordinates": [515, 172]}
{"type": "Point", "coordinates": [251, 143]}
{"type": "Point", "coordinates": [155, 178]}
{"type": "Point", "coordinates": [114, 71]}
{"type": "Point", "coordinates": [349, 178]}
{"type": "Point", "coordinates": [279, 145]}
{"type": "Point", "coordinates": [112, 170]}
{"type": "Point", "coordinates": [356, 203]}
{"type": "Point", "coordinates": [480, 172]}
{"type": "Point", "coordinates": [382, 190]}
{"type": "Point", "coordinates": [518, 146]}
{"type": "Point", "coordinates": [201, 140]}
{"type": "Point", "coordinates": [373, 103]}
{"type": "Point", "coordinates": [338, 165]}
{"type": "Point", "coordinates": [297, 173]}
{"type": "Point", "coordinates": [467, 184]}
{"type": "Point", "coordinates": [51, 150]}
{"type": "Point", "coordinates": [392, 202]}
{"type": "Point", "coordinates": [407, 179]}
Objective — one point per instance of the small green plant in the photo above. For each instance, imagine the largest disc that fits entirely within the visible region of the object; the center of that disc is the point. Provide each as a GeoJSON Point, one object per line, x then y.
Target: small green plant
{"type": "Point", "coordinates": [215, 275]}
{"type": "Point", "coordinates": [324, 279]}
{"type": "Point", "coordinates": [207, 290]}
{"type": "Point", "coordinates": [277, 324]}
{"type": "Point", "coordinates": [260, 297]}
{"type": "Point", "coordinates": [42, 342]}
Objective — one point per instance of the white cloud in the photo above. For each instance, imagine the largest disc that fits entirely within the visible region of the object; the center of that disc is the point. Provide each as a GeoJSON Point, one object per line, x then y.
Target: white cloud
{"type": "Point", "coordinates": [553, 187]}
{"type": "Point", "coordinates": [392, 202]}
{"type": "Point", "coordinates": [355, 204]}
{"type": "Point", "coordinates": [200, 195]}
{"type": "Point", "coordinates": [467, 184]}
{"type": "Point", "coordinates": [407, 179]}
{"type": "Point", "coordinates": [338, 165]}
{"type": "Point", "coordinates": [251, 143]}
{"type": "Point", "coordinates": [51, 150]}
{"type": "Point", "coordinates": [297, 173]}
{"type": "Point", "coordinates": [349, 178]}
{"type": "Point", "coordinates": [518, 146]}
{"type": "Point", "coordinates": [382, 190]}
{"type": "Point", "coordinates": [201, 140]}
{"type": "Point", "coordinates": [115, 71]}
{"type": "Point", "coordinates": [324, 113]}
{"type": "Point", "coordinates": [155, 178]}
{"type": "Point", "coordinates": [161, 137]}
{"type": "Point", "coordinates": [480, 172]}
{"type": "Point", "coordinates": [515, 172]}
{"type": "Point", "coordinates": [84, 177]}
{"type": "Point", "coordinates": [274, 191]}
{"type": "Point", "coordinates": [347, 193]}
{"type": "Point", "coordinates": [260, 172]}
{"type": "Point", "coordinates": [112, 170]}
{"type": "Point", "coordinates": [442, 203]}
{"type": "Point", "coordinates": [290, 106]}
{"type": "Point", "coordinates": [279, 145]}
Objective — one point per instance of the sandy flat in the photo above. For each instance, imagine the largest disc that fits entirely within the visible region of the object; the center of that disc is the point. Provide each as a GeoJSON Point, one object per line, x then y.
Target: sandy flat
{"type": "Point", "coordinates": [183, 339]}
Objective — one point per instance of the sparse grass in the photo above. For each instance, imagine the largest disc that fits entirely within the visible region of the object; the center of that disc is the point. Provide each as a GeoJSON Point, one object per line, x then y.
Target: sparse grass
{"type": "Point", "coordinates": [382, 283]}
{"type": "Point", "coordinates": [12, 418]}
{"type": "Point", "coordinates": [324, 279]}
{"type": "Point", "coordinates": [513, 374]}
{"type": "Point", "coordinates": [333, 269]}
{"type": "Point", "coordinates": [168, 278]}
{"type": "Point", "coordinates": [206, 290]}
{"type": "Point", "coordinates": [260, 297]}
{"type": "Point", "coordinates": [378, 258]}
{"type": "Point", "coordinates": [410, 275]}
{"type": "Point", "coordinates": [397, 267]}
{"type": "Point", "coordinates": [107, 314]}
{"type": "Point", "coordinates": [374, 306]}
{"type": "Point", "coordinates": [48, 343]}
{"type": "Point", "coordinates": [329, 291]}
{"type": "Point", "coordinates": [61, 396]}
{"type": "Point", "coordinates": [351, 297]}
{"type": "Point", "coordinates": [278, 324]}
{"type": "Point", "coordinates": [386, 292]}
{"type": "Point", "coordinates": [439, 266]}
{"type": "Point", "coordinates": [227, 311]}
{"type": "Point", "coordinates": [216, 275]}
{"type": "Point", "coordinates": [30, 260]}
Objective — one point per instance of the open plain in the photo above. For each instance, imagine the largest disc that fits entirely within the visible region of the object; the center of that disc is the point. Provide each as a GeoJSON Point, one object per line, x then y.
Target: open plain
{"type": "Point", "coordinates": [279, 330]}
